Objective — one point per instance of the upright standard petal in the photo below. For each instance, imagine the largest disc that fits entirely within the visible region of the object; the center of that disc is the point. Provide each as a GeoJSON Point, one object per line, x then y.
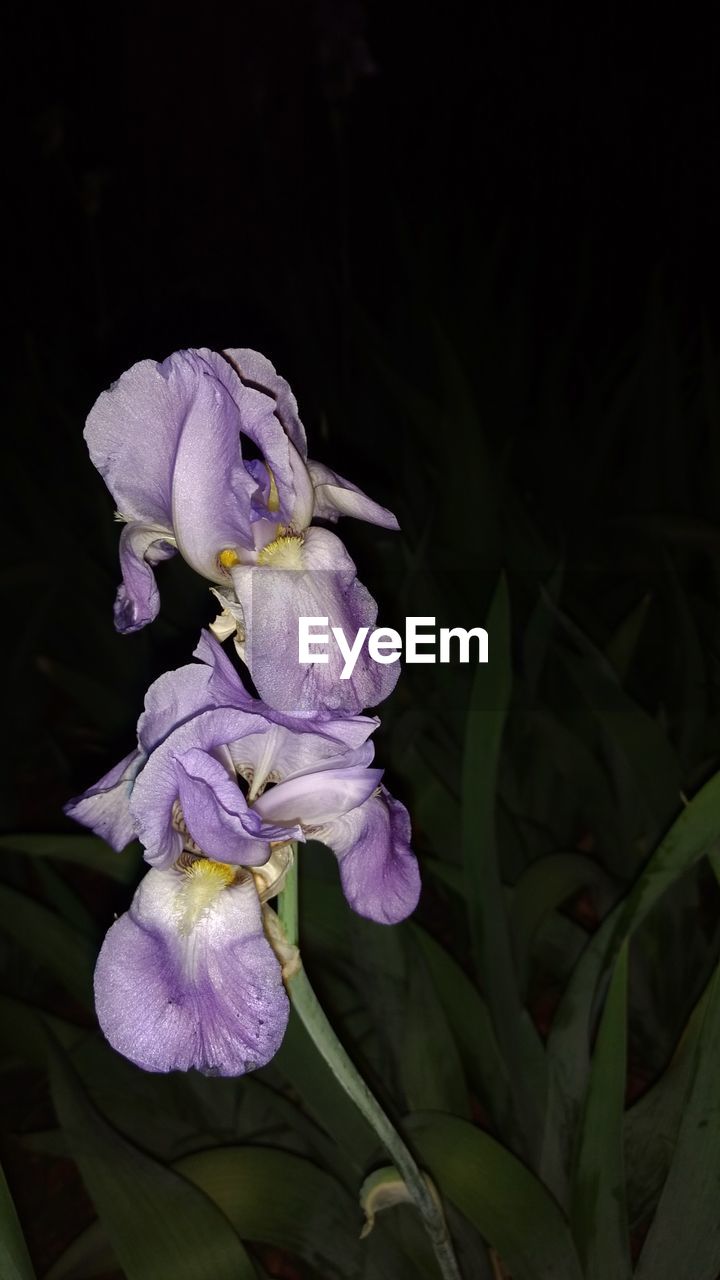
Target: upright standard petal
{"type": "Point", "coordinates": [212, 490]}
{"type": "Point", "coordinates": [132, 434]}
{"type": "Point", "coordinates": [378, 869]}
{"type": "Point", "coordinates": [187, 978]}
{"type": "Point", "coordinates": [308, 575]}
{"type": "Point", "coordinates": [335, 497]}
{"type": "Point", "coordinates": [105, 807]}
{"type": "Point", "coordinates": [255, 369]}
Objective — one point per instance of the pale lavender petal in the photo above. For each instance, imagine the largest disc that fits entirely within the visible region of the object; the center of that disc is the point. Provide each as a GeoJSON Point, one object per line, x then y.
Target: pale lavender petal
{"type": "Point", "coordinates": [335, 497]}
{"type": "Point", "coordinates": [137, 601]}
{"type": "Point", "coordinates": [308, 576]}
{"type": "Point", "coordinates": [256, 408]}
{"type": "Point", "coordinates": [313, 799]}
{"type": "Point", "coordinates": [255, 369]}
{"type": "Point", "coordinates": [187, 978]}
{"type": "Point", "coordinates": [225, 687]}
{"type": "Point", "coordinates": [379, 872]}
{"type": "Point", "coordinates": [298, 746]}
{"type": "Point", "coordinates": [132, 434]}
{"type": "Point", "coordinates": [217, 816]}
{"type": "Point", "coordinates": [178, 695]}
{"type": "Point", "coordinates": [172, 699]}
{"type": "Point", "coordinates": [156, 790]}
{"type": "Point", "coordinates": [211, 489]}
{"type": "Point", "coordinates": [105, 807]}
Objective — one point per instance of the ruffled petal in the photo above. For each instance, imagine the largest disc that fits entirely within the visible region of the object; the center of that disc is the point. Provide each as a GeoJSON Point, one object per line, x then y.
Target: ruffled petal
{"type": "Point", "coordinates": [187, 978]}
{"type": "Point", "coordinates": [137, 601]}
{"type": "Point", "coordinates": [132, 435]}
{"type": "Point", "coordinates": [217, 816]}
{"type": "Point", "coordinates": [157, 788]}
{"type": "Point", "coordinates": [379, 872]}
{"type": "Point", "coordinates": [178, 695]}
{"type": "Point", "coordinates": [335, 497]}
{"type": "Point", "coordinates": [105, 807]}
{"type": "Point", "coordinates": [308, 576]}
{"type": "Point", "coordinates": [256, 370]}
{"type": "Point", "coordinates": [258, 420]}
{"type": "Point", "coordinates": [225, 686]}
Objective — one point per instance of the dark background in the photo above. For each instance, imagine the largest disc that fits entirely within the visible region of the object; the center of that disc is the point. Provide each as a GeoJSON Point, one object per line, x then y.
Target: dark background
{"type": "Point", "coordinates": [481, 244]}
{"type": "Point", "coordinates": [521, 199]}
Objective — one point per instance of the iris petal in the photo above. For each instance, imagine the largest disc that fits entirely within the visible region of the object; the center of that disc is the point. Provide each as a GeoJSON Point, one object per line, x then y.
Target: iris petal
{"type": "Point", "coordinates": [105, 807]}
{"type": "Point", "coordinates": [379, 872]}
{"type": "Point", "coordinates": [186, 978]}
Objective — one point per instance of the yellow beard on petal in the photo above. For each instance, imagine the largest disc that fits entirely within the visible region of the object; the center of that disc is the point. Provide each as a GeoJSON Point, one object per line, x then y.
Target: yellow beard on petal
{"type": "Point", "coordinates": [204, 882]}
{"type": "Point", "coordinates": [284, 552]}
{"type": "Point", "coordinates": [227, 558]}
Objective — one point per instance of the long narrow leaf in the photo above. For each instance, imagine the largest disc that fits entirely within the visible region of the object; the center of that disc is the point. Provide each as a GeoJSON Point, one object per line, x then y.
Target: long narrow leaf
{"type": "Point", "coordinates": [15, 1261]}
{"type": "Point", "coordinates": [599, 1210]}
{"type": "Point", "coordinates": [158, 1224]}
{"type": "Point", "coordinates": [684, 1238]}
{"type": "Point", "coordinates": [518, 1040]}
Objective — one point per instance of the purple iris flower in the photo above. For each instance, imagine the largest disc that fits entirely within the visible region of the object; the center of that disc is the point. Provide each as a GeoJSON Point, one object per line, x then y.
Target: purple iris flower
{"type": "Point", "coordinates": [221, 783]}
{"type": "Point", "coordinates": [205, 454]}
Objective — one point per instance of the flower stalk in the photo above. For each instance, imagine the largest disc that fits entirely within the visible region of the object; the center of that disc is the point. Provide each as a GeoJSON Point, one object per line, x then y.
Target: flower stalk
{"type": "Point", "coordinates": [312, 1016]}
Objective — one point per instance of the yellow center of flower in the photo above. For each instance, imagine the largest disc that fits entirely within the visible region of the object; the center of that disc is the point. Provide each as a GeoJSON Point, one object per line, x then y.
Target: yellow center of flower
{"type": "Point", "coordinates": [228, 557]}
{"type": "Point", "coordinates": [204, 882]}
{"type": "Point", "coordinates": [284, 552]}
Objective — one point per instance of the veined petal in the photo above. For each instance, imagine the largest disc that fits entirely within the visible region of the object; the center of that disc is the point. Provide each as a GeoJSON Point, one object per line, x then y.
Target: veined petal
{"type": "Point", "coordinates": [379, 872]}
{"type": "Point", "coordinates": [187, 978]}
{"type": "Point", "coordinates": [217, 816]}
{"type": "Point", "coordinates": [226, 687]}
{"type": "Point", "coordinates": [105, 807]}
{"type": "Point", "coordinates": [211, 489]}
{"type": "Point", "coordinates": [335, 497]}
{"type": "Point", "coordinates": [308, 576]}
{"type": "Point", "coordinates": [255, 369]}
{"type": "Point", "coordinates": [141, 547]}
{"type": "Point", "coordinates": [314, 798]}
{"type": "Point", "coordinates": [132, 434]}
{"type": "Point", "coordinates": [256, 408]}
{"type": "Point", "coordinates": [157, 788]}
{"type": "Point", "coordinates": [297, 747]}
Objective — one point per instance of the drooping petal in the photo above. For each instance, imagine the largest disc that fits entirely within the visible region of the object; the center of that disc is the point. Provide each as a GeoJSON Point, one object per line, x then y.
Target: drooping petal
{"type": "Point", "coordinates": [255, 369]}
{"type": "Point", "coordinates": [105, 807]}
{"type": "Point", "coordinates": [335, 497]}
{"type": "Point", "coordinates": [217, 816]}
{"type": "Point", "coordinates": [157, 788]}
{"type": "Point", "coordinates": [187, 978]}
{"type": "Point", "coordinates": [379, 872]}
{"type": "Point", "coordinates": [308, 576]}
{"type": "Point", "coordinates": [137, 602]}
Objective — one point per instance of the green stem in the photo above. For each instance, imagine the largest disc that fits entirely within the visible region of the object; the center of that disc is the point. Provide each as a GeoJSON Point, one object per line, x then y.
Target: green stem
{"type": "Point", "coordinates": [311, 1014]}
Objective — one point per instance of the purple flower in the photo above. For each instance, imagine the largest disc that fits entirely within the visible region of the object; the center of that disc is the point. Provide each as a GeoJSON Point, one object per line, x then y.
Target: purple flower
{"type": "Point", "coordinates": [186, 978]}
{"type": "Point", "coordinates": [168, 439]}
{"type": "Point", "coordinates": [221, 783]}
